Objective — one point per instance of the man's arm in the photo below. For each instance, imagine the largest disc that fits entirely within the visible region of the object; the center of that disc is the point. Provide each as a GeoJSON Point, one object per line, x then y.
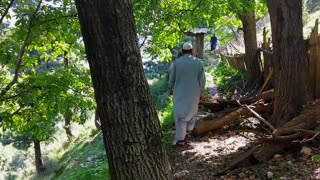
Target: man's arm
{"type": "Point", "coordinates": [202, 80]}
{"type": "Point", "coordinates": [172, 77]}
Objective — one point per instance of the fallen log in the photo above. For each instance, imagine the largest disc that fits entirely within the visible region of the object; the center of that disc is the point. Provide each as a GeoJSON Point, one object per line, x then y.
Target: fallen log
{"type": "Point", "coordinates": [207, 126]}
{"type": "Point", "coordinates": [219, 114]}
{"type": "Point", "coordinates": [222, 103]}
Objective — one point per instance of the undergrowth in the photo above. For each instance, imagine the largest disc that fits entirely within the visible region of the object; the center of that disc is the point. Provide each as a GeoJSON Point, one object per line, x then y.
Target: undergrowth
{"type": "Point", "coordinates": [227, 78]}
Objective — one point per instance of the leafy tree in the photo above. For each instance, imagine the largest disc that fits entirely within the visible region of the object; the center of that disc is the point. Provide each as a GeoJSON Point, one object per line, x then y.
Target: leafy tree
{"type": "Point", "coordinates": [36, 87]}
{"type": "Point", "coordinates": [130, 125]}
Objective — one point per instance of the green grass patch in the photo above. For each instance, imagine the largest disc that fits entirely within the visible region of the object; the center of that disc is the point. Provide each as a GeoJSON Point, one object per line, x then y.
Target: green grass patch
{"type": "Point", "coordinates": [81, 158]}
{"type": "Point", "coordinates": [85, 160]}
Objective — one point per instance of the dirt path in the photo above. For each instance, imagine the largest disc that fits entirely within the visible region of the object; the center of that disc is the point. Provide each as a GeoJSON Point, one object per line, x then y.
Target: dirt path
{"type": "Point", "coordinates": [213, 152]}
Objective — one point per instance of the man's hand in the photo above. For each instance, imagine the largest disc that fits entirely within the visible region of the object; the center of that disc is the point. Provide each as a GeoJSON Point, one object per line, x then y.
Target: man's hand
{"type": "Point", "coordinates": [202, 98]}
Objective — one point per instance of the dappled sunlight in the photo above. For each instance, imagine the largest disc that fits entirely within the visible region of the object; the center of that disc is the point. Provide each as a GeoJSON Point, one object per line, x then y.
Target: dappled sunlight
{"type": "Point", "coordinates": [217, 146]}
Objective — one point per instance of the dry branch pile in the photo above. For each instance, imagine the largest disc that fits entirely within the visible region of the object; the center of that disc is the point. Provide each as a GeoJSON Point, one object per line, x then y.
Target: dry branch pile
{"type": "Point", "coordinates": [272, 139]}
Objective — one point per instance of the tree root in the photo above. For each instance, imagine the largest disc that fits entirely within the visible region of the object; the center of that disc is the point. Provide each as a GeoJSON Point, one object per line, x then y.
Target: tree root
{"type": "Point", "coordinates": [243, 159]}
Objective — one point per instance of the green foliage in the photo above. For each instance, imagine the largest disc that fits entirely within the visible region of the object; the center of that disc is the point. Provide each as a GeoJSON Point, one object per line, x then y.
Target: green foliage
{"type": "Point", "coordinates": [315, 157]}
{"type": "Point", "coordinates": [159, 93]}
{"type": "Point", "coordinates": [164, 106]}
{"type": "Point", "coordinates": [43, 74]}
{"type": "Point", "coordinates": [227, 78]}
{"type": "Point", "coordinates": [167, 20]}
{"type": "Point", "coordinates": [155, 69]}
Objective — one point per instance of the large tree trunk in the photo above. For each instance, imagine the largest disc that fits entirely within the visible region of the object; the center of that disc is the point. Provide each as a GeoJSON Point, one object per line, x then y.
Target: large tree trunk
{"type": "Point", "coordinates": [248, 20]}
{"type": "Point", "coordinates": [37, 154]}
{"type": "Point", "coordinates": [289, 57]}
{"type": "Point", "coordinates": [290, 68]}
{"type": "Point", "coordinates": [130, 126]}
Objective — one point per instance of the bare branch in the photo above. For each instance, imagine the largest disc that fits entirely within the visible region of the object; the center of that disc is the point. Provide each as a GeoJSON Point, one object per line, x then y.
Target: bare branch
{"type": "Point", "coordinates": [144, 40]}
{"type": "Point", "coordinates": [257, 115]}
{"type": "Point", "coordinates": [265, 51]}
{"type": "Point", "coordinates": [310, 139]}
{"type": "Point", "coordinates": [6, 11]}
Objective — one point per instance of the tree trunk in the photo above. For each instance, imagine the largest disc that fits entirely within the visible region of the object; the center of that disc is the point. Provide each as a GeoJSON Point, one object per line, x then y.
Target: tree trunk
{"type": "Point", "coordinates": [68, 114]}
{"type": "Point", "coordinates": [38, 160]}
{"type": "Point", "coordinates": [129, 122]}
{"type": "Point", "coordinates": [289, 57]}
{"type": "Point", "coordinates": [290, 68]}
{"type": "Point", "coordinates": [250, 39]}
{"type": "Point", "coordinates": [67, 123]}
{"type": "Point", "coordinates": [97, 120]}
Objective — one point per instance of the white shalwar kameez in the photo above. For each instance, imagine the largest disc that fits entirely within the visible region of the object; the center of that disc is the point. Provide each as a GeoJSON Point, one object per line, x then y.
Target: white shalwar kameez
{"type": "Point", "coordinates": [187, 80]}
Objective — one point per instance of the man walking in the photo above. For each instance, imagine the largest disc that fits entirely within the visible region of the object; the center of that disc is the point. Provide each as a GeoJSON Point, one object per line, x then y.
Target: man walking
{"type": "Point", "coordinates": [186, 82]}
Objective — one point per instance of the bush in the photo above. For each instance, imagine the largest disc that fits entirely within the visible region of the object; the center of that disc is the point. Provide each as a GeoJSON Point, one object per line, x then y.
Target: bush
{"type": "Point", "coordinates": [227, 78]}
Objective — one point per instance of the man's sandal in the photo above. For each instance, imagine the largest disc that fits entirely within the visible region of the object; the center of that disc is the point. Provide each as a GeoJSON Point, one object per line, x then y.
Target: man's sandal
{"type": "Point", "coordinates": [183, 143]}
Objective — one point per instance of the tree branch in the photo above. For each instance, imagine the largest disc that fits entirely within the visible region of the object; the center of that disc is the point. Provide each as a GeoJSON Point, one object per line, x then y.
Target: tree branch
{"type": "Point", "coordinates": [257, 115]}
{"type": "Point", "coordinates": [21, 52]}
{"type": "Point", "coordinates": [6, 11]}
{"type": "Point", "coordinates": [54, 19]}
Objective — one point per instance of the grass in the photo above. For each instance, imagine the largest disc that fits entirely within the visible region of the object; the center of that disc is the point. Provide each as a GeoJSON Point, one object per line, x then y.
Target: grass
{"type": "Point", "coordinates": [85, 160]}
{"type": "Point", "coordinates": [81, 158]}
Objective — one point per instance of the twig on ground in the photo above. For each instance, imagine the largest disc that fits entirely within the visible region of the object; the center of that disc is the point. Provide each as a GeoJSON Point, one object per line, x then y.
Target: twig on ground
{"type": "Point", "coordinates": [257, 115]}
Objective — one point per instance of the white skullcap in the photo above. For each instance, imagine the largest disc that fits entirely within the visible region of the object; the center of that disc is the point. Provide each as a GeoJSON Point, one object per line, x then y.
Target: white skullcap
{"type": "Point", "coordinates": [187, 46]}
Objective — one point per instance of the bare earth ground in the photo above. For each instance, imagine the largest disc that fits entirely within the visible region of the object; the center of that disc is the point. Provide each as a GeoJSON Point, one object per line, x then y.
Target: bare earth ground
{"type": "Point", "coordinates": [213, 152]}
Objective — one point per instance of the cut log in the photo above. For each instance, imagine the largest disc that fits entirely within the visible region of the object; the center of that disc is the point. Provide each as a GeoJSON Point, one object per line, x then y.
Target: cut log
{"type": "Point", "coordinates": [222, 103]}
{"type": "Point", "coordinates": [207, 126]}
{"type": "Point", "coordinates": [219, 114]}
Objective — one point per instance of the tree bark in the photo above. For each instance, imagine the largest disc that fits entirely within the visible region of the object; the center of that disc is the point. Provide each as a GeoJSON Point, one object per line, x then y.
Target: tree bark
{"type": "Point", "coordinates": [38, 160]}
{"type": "Point", "coordinates": [290, 69]}
{"type": "Point", "coordinates": [248, 20]}
{"type": "Point", "coordinates": [97, 120]}
{"type": "Point", "coordinates": [289, 57]}
{"type": "Point", "coordinates": [68, 113]}
{"type": "Point", "coordinates": [130, 125]}
{"type": "Point", "coordinates": [67, 123]}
